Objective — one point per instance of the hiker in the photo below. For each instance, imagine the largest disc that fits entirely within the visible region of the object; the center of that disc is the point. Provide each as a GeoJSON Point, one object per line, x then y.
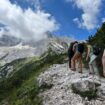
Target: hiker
{"type": "Point", "coordinates": [92, 54]}
{"type": "Point", "coordinates": [103, 62]}
{"type": "Point", "coordinates": [71, 52]}
{"type": "Point", "coordinates": [79, 49]}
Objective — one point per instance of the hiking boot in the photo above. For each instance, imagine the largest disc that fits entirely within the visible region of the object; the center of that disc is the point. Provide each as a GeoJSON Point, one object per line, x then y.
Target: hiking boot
{"type": "Point", "coordinates": [91, 73]}
{"type": "Point", "coordinates": [80, 72]}
{"type": "Point", "coordinates": [73, 69]}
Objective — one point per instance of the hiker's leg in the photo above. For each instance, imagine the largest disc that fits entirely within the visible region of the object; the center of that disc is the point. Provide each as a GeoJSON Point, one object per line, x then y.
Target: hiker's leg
{"type": "Point", "coordinates": [92, 59]}
{"type": "Point", "coordinates": [96, 68]}
{"type": "Point", "coordinates": [80, 63]}
{"type": "Point", "coordinates": [73, 62]}
{"type": "Point", "coordinates": [69, 62]}
{"type": "Point", "coordinates": [75, 57]}
{"type": "Point", "coordinates": [103, 62]}
{"type": "Point", "coordinates": [90, 69]}
{"type": "Point", "coordinates": [70, 57]}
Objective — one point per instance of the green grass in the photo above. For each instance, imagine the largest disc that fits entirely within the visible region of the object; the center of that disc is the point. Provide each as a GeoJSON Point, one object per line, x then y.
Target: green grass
{"type": "Point", "coordinates": [21, 88]}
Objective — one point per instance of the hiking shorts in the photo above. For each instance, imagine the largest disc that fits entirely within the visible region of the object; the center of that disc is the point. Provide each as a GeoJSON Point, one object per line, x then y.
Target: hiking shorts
{"type": "Point", "coordinates": [77, 55]}
{"type": "Point", "coordinates": [92, 58]}
{"type": "Point", "coordinates": [71, 54]}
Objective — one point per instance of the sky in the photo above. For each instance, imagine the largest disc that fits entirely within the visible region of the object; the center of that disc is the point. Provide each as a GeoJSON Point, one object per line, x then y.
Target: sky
{"type": "Point", "coordinates": [31, 19]}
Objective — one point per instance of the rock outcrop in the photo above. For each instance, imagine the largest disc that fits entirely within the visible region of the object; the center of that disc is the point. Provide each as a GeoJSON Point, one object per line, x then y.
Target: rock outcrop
{"type": "Point", "coordinates": [58, 83]}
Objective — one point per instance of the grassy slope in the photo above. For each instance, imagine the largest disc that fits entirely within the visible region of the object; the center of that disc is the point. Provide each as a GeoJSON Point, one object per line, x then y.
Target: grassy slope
{"type": "Point", "coordinates": [21, 88]}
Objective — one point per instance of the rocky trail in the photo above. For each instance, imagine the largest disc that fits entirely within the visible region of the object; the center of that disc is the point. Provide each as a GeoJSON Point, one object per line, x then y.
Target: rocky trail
{"type": "Point", "coordinates": [59, 84]}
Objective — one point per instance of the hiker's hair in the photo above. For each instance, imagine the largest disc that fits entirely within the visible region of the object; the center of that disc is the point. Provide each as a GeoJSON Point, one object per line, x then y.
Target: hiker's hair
{"type": "Point", "coordinates": [71, 45]}
{"type": "Point", "coordinates": [75, 41]}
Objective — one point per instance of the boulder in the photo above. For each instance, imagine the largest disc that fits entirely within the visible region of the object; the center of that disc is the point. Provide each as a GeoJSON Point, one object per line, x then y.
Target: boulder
{"type": "Point", "coordinates": [101, 92]}
{"type": "Point", "coordinates": [85, 85]}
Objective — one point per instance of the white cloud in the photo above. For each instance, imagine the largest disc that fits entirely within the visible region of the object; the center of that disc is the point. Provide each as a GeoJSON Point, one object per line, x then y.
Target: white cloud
{"type": "Point", "coordinates": [1, 31]}
{"type": "Point", "coordinates": [89, 17]}
{"type": "Point", "coordinates": [103, 20]}
{"type": "Point", "coordinates": [76, 20]}
{"type": "Point", "coordinates": [25, 24]}
{"type": "Point", "coordinates": [35, 3]}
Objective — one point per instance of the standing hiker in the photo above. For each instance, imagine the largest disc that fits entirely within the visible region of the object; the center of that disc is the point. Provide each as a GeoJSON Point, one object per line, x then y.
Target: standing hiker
{"type": "Point", "coordinates": [92, 54]}
{"type": "Point", "coordinates": [71, 52]}
{"type": "Point", "coordinates": [79, 49]}
{"type": "Point", "coordinates": [103, 62]}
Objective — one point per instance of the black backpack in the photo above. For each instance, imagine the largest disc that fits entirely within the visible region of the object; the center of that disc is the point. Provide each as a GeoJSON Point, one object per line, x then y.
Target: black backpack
{"type": "Point", "coordinates": [81, 47]}
{"type": "Point", "coordinates": [96, 50]}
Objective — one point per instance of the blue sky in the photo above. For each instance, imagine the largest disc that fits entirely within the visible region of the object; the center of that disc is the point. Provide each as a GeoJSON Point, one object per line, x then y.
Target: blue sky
{"type": "Point", "coordinates": [75, 18]}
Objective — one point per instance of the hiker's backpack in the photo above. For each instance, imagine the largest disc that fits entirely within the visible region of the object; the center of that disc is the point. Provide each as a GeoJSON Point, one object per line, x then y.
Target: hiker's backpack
{"type": "Point", "coordinates": [96, 50]}
{"type": "Point", "coordinates": [81, 47]}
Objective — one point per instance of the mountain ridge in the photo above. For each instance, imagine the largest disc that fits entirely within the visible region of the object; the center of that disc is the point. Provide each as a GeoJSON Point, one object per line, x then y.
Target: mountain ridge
{"type": "Point", "coordinates": [24, 49]}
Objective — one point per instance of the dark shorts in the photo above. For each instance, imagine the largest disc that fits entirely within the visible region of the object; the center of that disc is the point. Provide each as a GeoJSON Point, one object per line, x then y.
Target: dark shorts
{"type": "Point", "coordinates": [70, 55]}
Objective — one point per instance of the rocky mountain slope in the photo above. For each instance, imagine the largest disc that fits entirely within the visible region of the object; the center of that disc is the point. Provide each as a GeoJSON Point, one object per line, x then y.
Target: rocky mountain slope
{"type": "Point", "coordinates": [6, 40]}
{"type": "Point", "coordinates": [12, 48]}
{"type": "Point", "coordinates": [18, 79]}
{"type": "Point", "coordinates": [37, 73]}
{"type": "Point", "coordinates": [65, 87]}
{"type": "Point", "coordinates": [48, 81]}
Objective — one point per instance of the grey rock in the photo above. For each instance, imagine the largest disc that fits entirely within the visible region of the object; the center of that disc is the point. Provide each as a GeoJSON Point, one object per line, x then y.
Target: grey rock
{"type": "Point", "coordinates": [61, 92]}
{"type": "Point", "coordinates": [101, 92]}
{"type": "Point", "coordinates": [85, 85]}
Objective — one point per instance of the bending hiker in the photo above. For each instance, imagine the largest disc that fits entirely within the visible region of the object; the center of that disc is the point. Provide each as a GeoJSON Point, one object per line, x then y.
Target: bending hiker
{"type": "Point", "coordinates": [103, 62]}
{"type": "Point", "coordinates": [92, 53]}
{"type": "Point", "coordinates": [79, 49]}
{"type": "Point", "coordinates": [71, 52]}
